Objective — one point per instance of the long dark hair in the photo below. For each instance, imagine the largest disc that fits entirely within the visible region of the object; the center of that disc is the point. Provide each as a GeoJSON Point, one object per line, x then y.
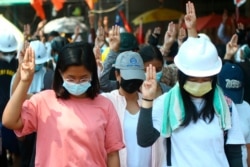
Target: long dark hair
{"type": "Point", "coordinates": [76, 54]}
{"type": "Point", "coordinates": [191, 114]}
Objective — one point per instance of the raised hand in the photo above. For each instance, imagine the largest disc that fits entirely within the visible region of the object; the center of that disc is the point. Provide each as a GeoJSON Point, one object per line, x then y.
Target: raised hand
{"type": "Point", "coordinates": [231, 47]}
{"type": "Point", "coordinates": [149, 86]}
{"type": "Point", "coordinates": [170, 35]}
{"type": "Point", "coordinates": [169, 38]}
{"type": "Point", "coordinates": [181, 35]}
{"type": "Point", "coordinates": [26, 31]}
{"type": "Point", "coordinates": [100, 38]}
{"type": "Point", "coordinates": [240, 27]}
{"type": "Point", "coordinates": [28, 66]}
{"type": "Point", "coordinates": [190, 17]}
{"type": "Point", "coordinates": [22, 53]}
{"type": "Point", "coordinates": [114, 38]}
{"type": "Point", "coordinates": [98, 56]}
{"type": "Point", "coordinates": [157, 31]}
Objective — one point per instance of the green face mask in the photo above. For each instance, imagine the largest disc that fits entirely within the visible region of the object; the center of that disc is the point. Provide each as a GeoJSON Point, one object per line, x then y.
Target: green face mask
{"type": "Point", "coordinates": [198, 89]}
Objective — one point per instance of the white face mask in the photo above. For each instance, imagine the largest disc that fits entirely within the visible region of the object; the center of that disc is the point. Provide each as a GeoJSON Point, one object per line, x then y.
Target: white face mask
{"type": "Point", "coordinates": [7, 57]}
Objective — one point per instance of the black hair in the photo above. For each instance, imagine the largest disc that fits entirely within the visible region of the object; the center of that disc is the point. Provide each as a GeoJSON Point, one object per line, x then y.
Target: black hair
{"type": "Point", "coordinates": [54, 34]}
{"type": "Point", "coordinates": [76, 54]}
{"type": "Point", "coordinates": [191, 114]}
{"type": "Point", "coordinates": [58, 43]}
{"type": "Point", "coordinates": [149, 53]}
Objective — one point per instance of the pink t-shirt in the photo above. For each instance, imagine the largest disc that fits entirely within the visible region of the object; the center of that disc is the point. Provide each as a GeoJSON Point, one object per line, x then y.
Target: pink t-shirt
{"type": "Point", "coordinates": [73, 132]}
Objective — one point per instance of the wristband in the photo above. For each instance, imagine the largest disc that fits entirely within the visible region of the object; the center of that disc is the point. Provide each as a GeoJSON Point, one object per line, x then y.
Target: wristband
{"type": "Point", "coordinates": [147, 99]}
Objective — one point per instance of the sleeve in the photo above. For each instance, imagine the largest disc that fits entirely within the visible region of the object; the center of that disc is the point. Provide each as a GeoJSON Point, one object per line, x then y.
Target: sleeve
{"type": "Point", "coordinates": [149, 123]}
{"type": "Point", "coordinates": [235, 139]}
{"type": "Point", "coordinates": [146, 133]}
{"type": "Point", "coordinates": [235, 134]}
{"type": "Point", "coordinates": [106, 84]}
{"type": "Point", "coordinates": [29, 118]}
{"type": "Point", "coordinates": [114, 138]}
{"type": "Point", "coordinates": [234, 155]}
{"type": "Point", "coordinates": [221, 35]}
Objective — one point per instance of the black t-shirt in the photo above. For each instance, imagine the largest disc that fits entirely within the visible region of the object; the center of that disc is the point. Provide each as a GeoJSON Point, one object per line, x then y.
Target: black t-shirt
{"type": "Point", "coordinates": [7, 70]}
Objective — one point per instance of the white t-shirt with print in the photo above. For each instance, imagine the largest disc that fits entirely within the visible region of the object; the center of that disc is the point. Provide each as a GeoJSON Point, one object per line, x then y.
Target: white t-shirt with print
{"type": "Point", "coordinates": [139, 156]}
{"type": "Point", "coordinates": [201, 143]}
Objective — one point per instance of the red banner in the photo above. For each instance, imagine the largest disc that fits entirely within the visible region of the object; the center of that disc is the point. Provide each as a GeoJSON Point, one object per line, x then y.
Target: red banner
{"type": "Point", "coordinates": [58, 4]}
{"type": "Point", "coordinates": [38, 6]}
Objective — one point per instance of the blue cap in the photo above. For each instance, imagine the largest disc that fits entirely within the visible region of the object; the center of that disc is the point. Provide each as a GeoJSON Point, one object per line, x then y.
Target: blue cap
{"type": "Point", "coordinates": [131, 65]}
{"type": "Point", "coordinates": [231, 80]}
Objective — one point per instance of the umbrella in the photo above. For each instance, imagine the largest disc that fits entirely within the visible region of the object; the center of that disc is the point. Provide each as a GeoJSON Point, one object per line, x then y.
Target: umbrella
{"type": "Point", "coordinates": [160, 14]}
{"type": "Point", "coordinates": [213, 21]}
{"type": "Point", "coordinates": [209, 21]}
{"type": "Point", "coordinates": [6, 25]}
{"type": "Point", "coordinates": [64, 25]}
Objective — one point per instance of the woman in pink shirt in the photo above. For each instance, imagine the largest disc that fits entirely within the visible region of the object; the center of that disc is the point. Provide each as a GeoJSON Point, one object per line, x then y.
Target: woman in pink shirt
{"type": "Point", "coordinates": [75, 126]}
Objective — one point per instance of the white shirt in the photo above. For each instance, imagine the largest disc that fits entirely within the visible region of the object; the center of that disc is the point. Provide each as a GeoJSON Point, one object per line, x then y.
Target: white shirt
{"type": "Point", "coordinates": [201, 143]}
{"type": "Point", "coordinates": [137, 156]}
{"type": "Point", "coordinates": [244, 116]}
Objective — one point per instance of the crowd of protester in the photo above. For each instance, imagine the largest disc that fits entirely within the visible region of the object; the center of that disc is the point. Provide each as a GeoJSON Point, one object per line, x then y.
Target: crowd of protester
{"type": "Point", "coordinates": [110, 101]}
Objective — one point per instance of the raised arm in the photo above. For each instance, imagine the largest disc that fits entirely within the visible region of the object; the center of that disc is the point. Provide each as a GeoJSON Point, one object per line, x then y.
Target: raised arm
{"type": "Point", "coordinates": [190, 19]}
{"type": "Point", "coordinates": [12, 112]}
{"type": "Point", "coordinates": [17, 77]}
{"type": "Point", "coordinates": [231, 47]}
{"type": "Point", "coordinates": [114, 43]}
{"type": "Point", "coordinates": [146, 133]}
{"type": "Point", "coordinates": [169, 39]}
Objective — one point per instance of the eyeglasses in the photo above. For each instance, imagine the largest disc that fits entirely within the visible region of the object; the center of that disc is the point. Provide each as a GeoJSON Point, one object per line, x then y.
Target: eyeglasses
{"type": "Point", "coordinates": [82, 80]}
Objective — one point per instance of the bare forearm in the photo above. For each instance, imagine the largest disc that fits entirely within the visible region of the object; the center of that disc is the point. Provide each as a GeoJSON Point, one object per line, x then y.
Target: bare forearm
{"type": "Point", "coordinates": [113, 159]}
{"type": "Point", "coordinates": [192, 32]}
{"type": "Point", "coordinates": [12, 112]}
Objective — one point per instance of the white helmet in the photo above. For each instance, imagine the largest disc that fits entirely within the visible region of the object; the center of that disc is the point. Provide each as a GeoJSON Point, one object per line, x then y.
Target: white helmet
{"type": "Point", "coordinates": [39, 48]}
{"type": "Point", "coordinates": [8, 42]}
{"type": "Point", "coordinates": [198, 57]}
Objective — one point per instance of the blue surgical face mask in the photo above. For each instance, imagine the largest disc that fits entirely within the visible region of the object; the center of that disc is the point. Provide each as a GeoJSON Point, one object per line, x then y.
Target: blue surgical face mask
{"type": "Point", "coordinates": [76, 89]}
{"type": "Point", "coordinates": [158, 76]}
{"type": "Point", "coordinates": [38, 67]}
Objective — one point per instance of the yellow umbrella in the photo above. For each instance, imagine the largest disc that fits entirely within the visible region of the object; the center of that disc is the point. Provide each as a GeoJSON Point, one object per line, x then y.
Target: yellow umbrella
{"type": "Point", "coordinates": [155, 15]}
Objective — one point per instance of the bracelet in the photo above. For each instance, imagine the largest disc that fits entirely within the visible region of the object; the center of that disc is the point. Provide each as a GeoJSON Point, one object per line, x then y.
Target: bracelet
{"type": "Point", "coordinates": [147, 99]}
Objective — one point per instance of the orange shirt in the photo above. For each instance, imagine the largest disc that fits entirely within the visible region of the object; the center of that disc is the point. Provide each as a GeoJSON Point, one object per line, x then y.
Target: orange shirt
{"type": "Point", "coordinates": [73, 132]}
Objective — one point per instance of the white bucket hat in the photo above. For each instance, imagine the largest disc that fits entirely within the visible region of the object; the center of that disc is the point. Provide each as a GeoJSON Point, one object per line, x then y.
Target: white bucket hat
{"type": "Point", "coordinates": [198, 57]}
{"type": "Point", "coordinates": [41, 55]}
